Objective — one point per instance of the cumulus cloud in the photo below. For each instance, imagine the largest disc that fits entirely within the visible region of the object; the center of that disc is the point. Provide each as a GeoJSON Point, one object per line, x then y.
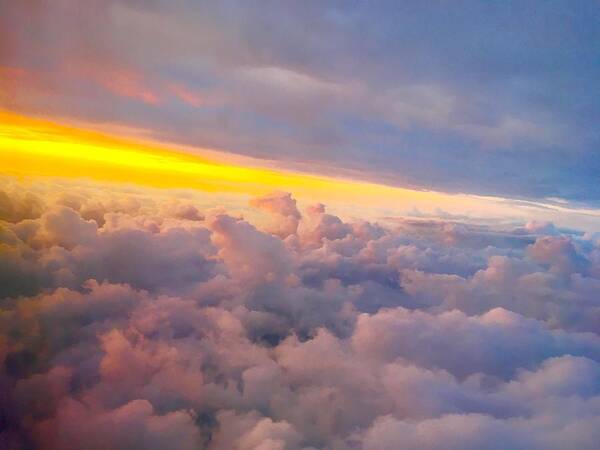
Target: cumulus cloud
{"type": "Point", "coordinates": [16, 205]}
{"type": "Point", "coordinates": [283, 206]}
{"type": "Point", "coordinates": [144, 319]}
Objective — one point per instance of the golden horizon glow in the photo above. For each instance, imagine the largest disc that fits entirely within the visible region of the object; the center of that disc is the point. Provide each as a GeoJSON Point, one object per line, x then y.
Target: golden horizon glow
{"type": "Point", "coordinates": [31, 147]}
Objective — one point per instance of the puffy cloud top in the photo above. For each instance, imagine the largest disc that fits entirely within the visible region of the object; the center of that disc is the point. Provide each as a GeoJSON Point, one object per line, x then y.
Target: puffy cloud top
{"type": "Point", "coordinates": [138, 320]}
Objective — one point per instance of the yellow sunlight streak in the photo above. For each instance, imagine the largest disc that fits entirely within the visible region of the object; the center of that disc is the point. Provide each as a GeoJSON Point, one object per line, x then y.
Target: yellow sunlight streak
{"type": "Point", "coordinates": [38, 148]}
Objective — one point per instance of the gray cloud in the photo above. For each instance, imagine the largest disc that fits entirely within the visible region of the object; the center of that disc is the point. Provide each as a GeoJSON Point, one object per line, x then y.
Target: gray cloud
{"type": "Point", "coordinates": [460, 98]}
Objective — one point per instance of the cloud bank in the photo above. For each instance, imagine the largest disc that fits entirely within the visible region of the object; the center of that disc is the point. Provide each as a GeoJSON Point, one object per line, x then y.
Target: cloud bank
{"type": "Point", "coordinates": [132, 320]}
{"type": "Point", "coordinates": [466, 97]}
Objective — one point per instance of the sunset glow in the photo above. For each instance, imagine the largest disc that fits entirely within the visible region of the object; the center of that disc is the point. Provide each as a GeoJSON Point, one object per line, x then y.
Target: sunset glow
{"type": "Point", "coordinates": [242, 225]}
{"type": "Point", "coordinates": [33, 147]}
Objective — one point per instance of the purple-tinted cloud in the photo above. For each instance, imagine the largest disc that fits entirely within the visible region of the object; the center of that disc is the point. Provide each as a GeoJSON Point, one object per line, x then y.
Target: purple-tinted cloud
{"type": "Point", "coordinates": [464, 98]}
{"type": "Point", "coordinates": [140, 320]}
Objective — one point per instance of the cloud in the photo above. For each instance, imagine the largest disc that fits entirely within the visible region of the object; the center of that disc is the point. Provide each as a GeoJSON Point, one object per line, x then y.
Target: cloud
{"type": "Point", "coordinates": [282, 205]}
{"type": "Point", "coordinates": [16, 206]}
{"type": "Point", "coordinates": [361, 92]}
{"type": "Point", "coordinates": [145, 318]}
{"type": "Point", "coordinates": [399, 333]}
{"type": "Point", "coordinates": [134, 424]}
{"type": "Point", "coordinates": [559, 254]}
{"type": "Point", "coordinates": [250, 431]}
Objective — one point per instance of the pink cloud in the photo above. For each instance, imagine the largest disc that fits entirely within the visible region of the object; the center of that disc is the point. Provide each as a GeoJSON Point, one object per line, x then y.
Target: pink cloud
{"type": "Point", "coordinates": [185, 94]}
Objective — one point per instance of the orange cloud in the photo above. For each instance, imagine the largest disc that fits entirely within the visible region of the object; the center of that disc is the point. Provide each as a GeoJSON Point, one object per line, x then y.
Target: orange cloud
{"type": "Point", "coordinates": [10, 80]}
{"type": "Point", "coordinates": [185, 94]}
{"type": "Point", "coordinates": [18, 85]}
{"type": "Point", "coordinates": [120, 81]}
{"type": "Point", "coordinates": [8, 74]}
{"type": "Point", "coordinates": [128, 84]}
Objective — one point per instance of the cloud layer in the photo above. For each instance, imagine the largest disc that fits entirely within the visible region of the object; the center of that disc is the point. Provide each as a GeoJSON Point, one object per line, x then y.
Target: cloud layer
{"type": "Point", "coordinates": [135, 320]}
{"type": "Point", "coordinates": [466, 97]}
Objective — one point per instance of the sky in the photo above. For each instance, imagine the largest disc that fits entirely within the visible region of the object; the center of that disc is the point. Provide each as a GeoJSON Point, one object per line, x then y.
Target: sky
{"type": "Point", "coordinates": [476, 97]}
{"type": "Point", "coordinates": [299, 225]}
